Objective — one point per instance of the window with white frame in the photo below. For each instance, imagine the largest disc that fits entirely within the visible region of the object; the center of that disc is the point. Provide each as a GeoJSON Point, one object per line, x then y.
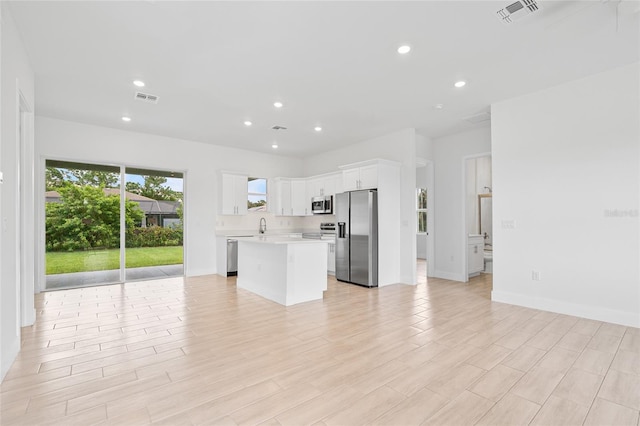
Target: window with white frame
{"type": "Point", "coordinates": [421, 209]}
{"type": "Point", "coordinates": [257, 195]}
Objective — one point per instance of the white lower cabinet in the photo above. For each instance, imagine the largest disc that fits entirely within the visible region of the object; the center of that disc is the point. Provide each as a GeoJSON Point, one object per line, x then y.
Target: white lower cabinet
{"type": "Point", "coordinates": [475, 255]}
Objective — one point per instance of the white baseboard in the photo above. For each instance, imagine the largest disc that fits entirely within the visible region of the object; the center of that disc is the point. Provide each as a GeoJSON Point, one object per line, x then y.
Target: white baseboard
{"type": "Point", "coordinates": [9, 357]}
{"type": "Point", "coordinates": [408, 280]}
{"type": "Point", "coordinates": [200, 272]}
{"type": "Point", "coordinates": [453, 276]}
{"type": "Point", "coordinates": [629, 319]}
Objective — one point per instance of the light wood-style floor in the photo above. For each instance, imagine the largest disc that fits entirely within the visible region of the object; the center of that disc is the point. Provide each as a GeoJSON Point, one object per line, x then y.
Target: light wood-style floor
{"type": "Point", "coordinates": [193, 351]}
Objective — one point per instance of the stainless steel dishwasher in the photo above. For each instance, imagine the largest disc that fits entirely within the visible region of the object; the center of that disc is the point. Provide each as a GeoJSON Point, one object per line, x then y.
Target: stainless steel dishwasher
{"type": "Point", "coordinates": [232, 257]}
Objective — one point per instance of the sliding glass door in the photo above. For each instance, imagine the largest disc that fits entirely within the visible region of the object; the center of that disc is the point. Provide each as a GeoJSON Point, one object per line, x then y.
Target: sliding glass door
{"type": "Point", "coordinates": [154, 245]}
{"type": "Point", "coordinates": [106, 224]}
{"type": "Point", "coordinates": [82, 222]}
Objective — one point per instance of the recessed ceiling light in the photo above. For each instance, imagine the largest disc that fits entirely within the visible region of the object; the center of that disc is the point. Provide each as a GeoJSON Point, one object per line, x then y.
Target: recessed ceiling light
{"type": "Point", "coordinates": [277, 104]}
{"type": "Point", "coordinates": [404, 49]}
{"type": "Point", "coordinates": [127, 119]}
{"type": "Point", "coordinates": [438, 106]}
{"type": "Point", "coordinates": [460, 83]}
{"type": "Point", "coordinates": [138, 83]}
{"type": "Point", "coordinates": [317, 129]}
{"type": "Point", "coordinates": [248, 123]}
{"type": "Point", "coordinates": [274, 145]}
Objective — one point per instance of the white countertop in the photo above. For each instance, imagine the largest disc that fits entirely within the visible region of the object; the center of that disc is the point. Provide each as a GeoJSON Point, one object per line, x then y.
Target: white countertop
{"type": "Point", "coordinates": [275, 233]}
{"type": "Point", "coordinates": [282, 239]}
{"type": "Point", "coordinates": [255, 232]}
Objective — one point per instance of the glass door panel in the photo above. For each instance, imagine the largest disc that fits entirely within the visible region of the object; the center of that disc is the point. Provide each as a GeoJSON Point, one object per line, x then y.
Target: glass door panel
{"type": "Point", "coordinates": [154, 242]}
{"type": "Point", "coordinates": [82, 224]}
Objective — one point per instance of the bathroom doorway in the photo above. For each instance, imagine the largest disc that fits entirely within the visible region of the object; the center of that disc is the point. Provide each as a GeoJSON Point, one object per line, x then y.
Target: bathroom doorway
{"type": "Point", "coordinates": [478, 215]}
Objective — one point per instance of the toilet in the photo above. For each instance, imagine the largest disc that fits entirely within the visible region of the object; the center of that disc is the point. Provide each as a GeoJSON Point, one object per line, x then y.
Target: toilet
{"type": "Point", "coordinates": [488, 261]}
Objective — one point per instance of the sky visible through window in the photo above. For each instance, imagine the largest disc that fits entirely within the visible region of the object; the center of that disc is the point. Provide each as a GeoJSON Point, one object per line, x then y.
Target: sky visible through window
{"type": "Point", "coordinates": [174, 183]}
{"type": "Point", "coordinates": [257, 194]}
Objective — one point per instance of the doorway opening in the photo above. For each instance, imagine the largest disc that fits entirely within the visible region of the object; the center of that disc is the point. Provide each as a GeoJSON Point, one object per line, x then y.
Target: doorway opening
{"type": "Point", "coordinates": [424, 220]}
{"type": "Point", "coordinates": [105, 224]}
{"type": "Point", "coordinates": [478, 215]}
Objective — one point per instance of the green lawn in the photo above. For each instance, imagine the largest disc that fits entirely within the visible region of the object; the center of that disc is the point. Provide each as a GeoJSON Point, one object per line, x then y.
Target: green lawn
{"type": "Point", "coordinates": [102, 260]}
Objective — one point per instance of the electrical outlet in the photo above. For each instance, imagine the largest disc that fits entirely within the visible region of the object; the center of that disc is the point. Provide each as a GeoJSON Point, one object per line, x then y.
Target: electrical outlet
{"type": "Point", "coordinates": [535, 275]}
{"type": "Point", "coordinates": [508, 224]}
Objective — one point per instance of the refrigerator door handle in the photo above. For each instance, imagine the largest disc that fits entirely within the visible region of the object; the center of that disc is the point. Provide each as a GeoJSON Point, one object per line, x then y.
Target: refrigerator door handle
{"type": "Point", "coordinates": [342, 226]}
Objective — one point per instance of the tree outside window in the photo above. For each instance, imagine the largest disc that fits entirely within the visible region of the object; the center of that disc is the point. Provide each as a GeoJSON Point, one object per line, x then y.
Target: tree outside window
{"type": "Point", "coordinates": [421, 208]}
{"type": "Point", "coordinates": [257, 195]}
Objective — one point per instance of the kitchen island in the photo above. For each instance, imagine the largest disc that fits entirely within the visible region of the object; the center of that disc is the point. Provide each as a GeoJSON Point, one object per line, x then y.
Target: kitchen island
{"type": "Point", "coordinates": [286, 270]}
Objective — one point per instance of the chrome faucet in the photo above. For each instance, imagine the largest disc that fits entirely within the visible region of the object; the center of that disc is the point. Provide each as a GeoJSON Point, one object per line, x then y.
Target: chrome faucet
{"type": "Point", "coordinates": [263, 225]}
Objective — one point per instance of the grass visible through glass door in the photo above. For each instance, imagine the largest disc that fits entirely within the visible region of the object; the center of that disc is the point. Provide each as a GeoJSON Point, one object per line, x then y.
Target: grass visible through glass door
{"type": "Point", "coordinates": [104, 260]}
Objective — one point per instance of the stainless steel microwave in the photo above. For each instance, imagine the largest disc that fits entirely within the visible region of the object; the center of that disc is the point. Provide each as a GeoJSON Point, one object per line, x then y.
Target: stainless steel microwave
{"type": "Point", "coordinates": [322, 205]}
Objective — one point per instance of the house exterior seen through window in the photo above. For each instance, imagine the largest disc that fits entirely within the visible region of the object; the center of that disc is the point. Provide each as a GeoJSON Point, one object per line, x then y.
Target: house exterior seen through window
{"type": "Point", "coordinates": [421, 208]}
{"type": "Point", "coordinates": [257, 198]}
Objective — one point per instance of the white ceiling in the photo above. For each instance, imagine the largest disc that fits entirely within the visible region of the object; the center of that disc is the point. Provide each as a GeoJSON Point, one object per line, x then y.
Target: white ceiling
{"type": "Point", "coordinates": [333, 64]}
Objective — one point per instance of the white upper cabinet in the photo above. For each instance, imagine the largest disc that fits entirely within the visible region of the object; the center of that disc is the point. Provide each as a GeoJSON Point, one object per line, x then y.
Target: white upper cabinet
{"type": "Point", "coordinates": [362, 177]}
{"type": "Point", "coordinates": [290, 197]}
{"type": "Point", "coordinates": [234, 194]}
{"type": "Point", "coordinates": [314, 188]}
{"type": "Point", "coordinates": [324, 186]}
{"type": "Point", "coordinates": [281, 197]}
{"type": "Point", "coordinates": [300, 205]}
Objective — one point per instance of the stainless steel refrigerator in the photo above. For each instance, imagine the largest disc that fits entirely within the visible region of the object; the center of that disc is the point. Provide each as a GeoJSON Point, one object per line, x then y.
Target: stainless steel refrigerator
{"type": "Point", "coordinates": [357, 237]}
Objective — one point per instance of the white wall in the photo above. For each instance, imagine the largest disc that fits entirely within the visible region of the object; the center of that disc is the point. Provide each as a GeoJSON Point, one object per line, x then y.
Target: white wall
{"type": "Point", "coordinates": [450, 154]}
{"type": "Point", "coordinates": [16, 77]}
{"type": "Point", "coordinates": [424, 147]}
{"type": "Point", "coordinates": [201, 162]}
{"type": "Point", "coordinates": [398, 146]}
{"type": "Point", "coordinates": [565, 160]}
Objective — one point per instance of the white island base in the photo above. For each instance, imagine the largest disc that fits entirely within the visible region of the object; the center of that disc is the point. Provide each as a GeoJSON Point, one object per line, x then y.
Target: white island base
{"type": "Point", "coordinates": [285, 270]}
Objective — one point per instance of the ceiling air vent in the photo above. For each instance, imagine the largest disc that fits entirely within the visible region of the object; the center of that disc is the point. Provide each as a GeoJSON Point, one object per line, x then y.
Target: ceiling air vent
{"type": "Point", "coordinates": [145, 97]}
{"type": "Point", "coordinates": [276, 127]}
{"type": "Point", "coordinates": [478, 118]}
{"type": "Point", "coordinates": [518, 10]}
